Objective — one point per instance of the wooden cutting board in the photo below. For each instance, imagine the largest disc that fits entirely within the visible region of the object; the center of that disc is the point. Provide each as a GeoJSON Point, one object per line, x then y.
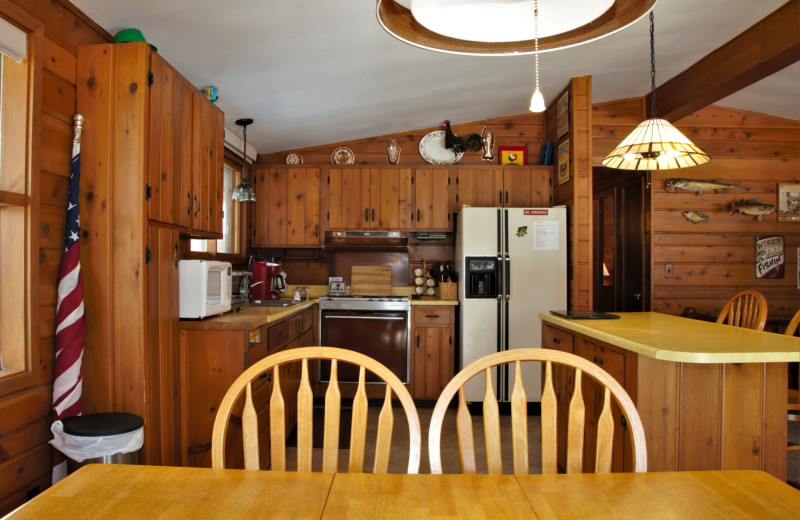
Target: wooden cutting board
{"type": "Point", "coordinates": [371, 280]}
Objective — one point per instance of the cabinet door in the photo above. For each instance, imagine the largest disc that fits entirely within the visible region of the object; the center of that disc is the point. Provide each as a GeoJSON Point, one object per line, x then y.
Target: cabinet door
{"type": "Point", "coordinates": [186, 156]}
{"type": "Point", "coordinates": [390, 190]}
{"type": "Point", "coordinates": [432, 196]}
{"type": "Point", "coordinates": [163, 411]}
{"type": "Point", "coordinates": [165, 144]}
{"type": "Point", "coordinates": [302, 206]}
{"type": "Point", "coordinates": [433, 350]}
{"type": "Point", "coordinates": [216, 175]}
{"type": "Point", "coordinates": [201, 154]}
{"type": "Point", "coordinates": [277, 206]}
{"type": "Point", "coordinates": [349, 199]}
{"type": "Point", "coordinates": [480, 188]}
{"type": "Point", "coordinates": [527, 187]}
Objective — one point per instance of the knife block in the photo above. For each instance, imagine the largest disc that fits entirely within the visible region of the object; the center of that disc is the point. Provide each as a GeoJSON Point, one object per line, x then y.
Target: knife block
{"type": "Point", "coordinates": [448, 290]}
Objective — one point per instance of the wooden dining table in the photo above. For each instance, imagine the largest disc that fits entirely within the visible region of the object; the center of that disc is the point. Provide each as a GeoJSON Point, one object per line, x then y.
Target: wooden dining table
{"type": "Point", "coordinates": [144, 492]}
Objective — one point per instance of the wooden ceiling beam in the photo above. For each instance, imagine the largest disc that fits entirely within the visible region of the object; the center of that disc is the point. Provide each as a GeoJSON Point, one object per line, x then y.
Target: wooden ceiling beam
{"type": "Point", "coordinates": [762, 50]}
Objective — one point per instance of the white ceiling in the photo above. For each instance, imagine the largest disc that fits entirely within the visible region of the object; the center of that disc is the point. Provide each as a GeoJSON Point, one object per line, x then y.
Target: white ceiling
{"type": "Point", "coordinates": [313, 72]}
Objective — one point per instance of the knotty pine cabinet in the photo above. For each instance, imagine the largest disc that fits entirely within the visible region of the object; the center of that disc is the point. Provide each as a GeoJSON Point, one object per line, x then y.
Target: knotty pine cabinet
{"type": "Point", "coordinates": [145, 131]}
{"type": "Point", "coordinates": [432, 195]}
{"type": "Point", "coordinates": [212, 355]}
{"type": "Point", "coordinates": [432, 349]}
{"type": "Point", "coordinates": [505, 186]}
{"type": "Point", "coordinates": [369, 198]}
{"type": "Point", "coordinates": [287, 207]}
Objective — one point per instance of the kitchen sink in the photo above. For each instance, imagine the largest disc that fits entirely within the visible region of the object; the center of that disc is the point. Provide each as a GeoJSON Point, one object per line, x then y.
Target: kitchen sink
{"type": "Point", "coordinates": [274, 303]}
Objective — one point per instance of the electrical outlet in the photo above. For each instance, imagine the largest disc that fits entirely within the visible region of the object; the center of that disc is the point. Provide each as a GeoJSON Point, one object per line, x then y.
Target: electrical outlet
{"type": "Point", "coordinates": [668, 270]}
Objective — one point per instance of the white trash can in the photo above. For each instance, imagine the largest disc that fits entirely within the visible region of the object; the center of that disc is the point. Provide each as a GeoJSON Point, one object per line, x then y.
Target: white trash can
{"type": "Point", "coordinates": [99, 438]}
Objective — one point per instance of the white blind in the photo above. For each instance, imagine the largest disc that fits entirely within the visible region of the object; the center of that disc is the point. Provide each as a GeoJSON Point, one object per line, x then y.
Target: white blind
{"type": "Point", "coordinates": [13, 42]}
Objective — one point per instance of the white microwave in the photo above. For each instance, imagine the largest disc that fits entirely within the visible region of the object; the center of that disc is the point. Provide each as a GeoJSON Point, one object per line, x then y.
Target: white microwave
{"type": "Point", "coordinates": [205, 288]}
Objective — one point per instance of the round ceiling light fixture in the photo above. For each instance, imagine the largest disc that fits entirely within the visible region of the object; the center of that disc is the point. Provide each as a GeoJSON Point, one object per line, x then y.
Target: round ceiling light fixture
{"type": "Point", "coordinates": [503, 27]}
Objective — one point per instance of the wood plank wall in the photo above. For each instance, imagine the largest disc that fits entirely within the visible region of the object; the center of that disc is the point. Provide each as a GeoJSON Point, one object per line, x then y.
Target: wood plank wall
{"type": "Point", "coordinates": [712, 261]}
{"type": "Point", "coordinates": [25, 456]}
{"type": "Point", "coordinates": [576, 193]}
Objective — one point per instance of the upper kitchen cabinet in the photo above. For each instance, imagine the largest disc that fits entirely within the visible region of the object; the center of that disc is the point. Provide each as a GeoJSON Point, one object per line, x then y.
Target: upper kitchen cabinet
{"type": "Point", "coordinates": [207, 138]}
{"type": "Point", "coordinates": [509, 187]}
{"type": "Point", "coordinates": [369, 198]}
{"type": "Point", "coordinates": [287, 207]}
{"type": "Point", "coordinates": [432, 194]}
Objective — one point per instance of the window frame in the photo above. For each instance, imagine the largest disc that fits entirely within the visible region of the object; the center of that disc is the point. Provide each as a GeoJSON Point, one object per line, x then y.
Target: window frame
{"type": "Point", "coordinates": [33, 372]}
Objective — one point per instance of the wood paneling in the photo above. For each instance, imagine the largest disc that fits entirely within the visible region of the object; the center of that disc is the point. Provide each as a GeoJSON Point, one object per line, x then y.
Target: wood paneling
{"type": "Point", "coordinates": [24, 428]}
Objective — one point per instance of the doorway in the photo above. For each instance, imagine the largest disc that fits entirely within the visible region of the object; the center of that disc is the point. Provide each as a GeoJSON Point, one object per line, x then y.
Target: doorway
{"type": "Point", "coordinates": [621, 241]}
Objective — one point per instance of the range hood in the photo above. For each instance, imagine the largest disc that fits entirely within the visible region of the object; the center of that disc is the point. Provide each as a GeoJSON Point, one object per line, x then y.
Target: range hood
{"type": "Point", "coordinates": [366, 241]}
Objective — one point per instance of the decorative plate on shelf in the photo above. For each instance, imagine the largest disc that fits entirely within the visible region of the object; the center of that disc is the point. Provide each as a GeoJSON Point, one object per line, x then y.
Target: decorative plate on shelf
{"type": "Point", "coordinates": [431, 148]}
{"type": "Point", "coordinates": [343, 155]}
{"type": "Point", "coordinates": [294, 158]}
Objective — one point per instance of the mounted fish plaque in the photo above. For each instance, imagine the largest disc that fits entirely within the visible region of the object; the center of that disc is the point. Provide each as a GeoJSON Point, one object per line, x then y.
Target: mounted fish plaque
{"type": "Point", "coordinates": [770, 258]}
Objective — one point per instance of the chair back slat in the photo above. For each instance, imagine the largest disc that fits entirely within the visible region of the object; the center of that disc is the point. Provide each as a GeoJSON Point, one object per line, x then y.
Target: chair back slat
{"type": "Point", "coordinates": [333, 406]}
{"type": "Point", "coordinates": [575, 415]}
{"type": "Point", "coordinates": [358, 428]}
{"type": "Point", "coordinates": [250, 430]}
{"type": "Point", "coordinates": [519, 423]}
{"type": "Point", "coordinates": [383, 444]}
{"type": "Point", "coordinates": [746, 309]}
{"type": "Point", "coordinates": [466, 443]}
{"type": "Point", "coordinates": [549, 411]}
{"type": "Point", "coordinates": [575, 427]}
{"type": "Point", "coordinates": [277, 424]}
{"type": "Point", "coordinates": [279, 369]}
{"type": "Point", "coordinates": [305, 421]}
{"type": "Point", "coordinates": [793, 324]}
{"type": "Point", "coordinates": [491, 428]}
{"type": "Point", "coordinates": [605, 437]}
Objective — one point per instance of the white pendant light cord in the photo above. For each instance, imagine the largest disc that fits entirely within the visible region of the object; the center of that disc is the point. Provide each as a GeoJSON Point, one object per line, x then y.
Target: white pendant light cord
{"type": "Point", "coordinates": [536, 37]}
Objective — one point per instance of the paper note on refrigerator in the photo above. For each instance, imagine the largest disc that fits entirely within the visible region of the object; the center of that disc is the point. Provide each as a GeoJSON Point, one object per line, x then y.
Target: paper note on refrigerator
{"type": "Point", "coordinates": [545, 235]}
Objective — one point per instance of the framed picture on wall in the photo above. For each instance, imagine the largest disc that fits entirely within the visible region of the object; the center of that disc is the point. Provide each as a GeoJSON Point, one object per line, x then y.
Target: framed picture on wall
{"type": "Point", "coordinates": [512, 155]}
{"type": "Point", "coordinates": [563, 162]}
{"type": "Point", "coordinates": [788, 202]}
{"type": "Point", "coordinates": [562, 114]}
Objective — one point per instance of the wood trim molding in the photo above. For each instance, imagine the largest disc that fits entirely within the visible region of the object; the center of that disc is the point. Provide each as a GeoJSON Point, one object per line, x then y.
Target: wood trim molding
{"type": "Point", "coordinates": [765, 48]}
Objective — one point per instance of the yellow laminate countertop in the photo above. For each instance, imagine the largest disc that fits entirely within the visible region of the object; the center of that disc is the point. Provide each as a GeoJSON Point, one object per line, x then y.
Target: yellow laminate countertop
{"type": "Point", "coordinates": [247, 317]}
{"type": "Point", "coordinates": [434, 302]}
{"type": "Point", "coordinates": [684, 340]}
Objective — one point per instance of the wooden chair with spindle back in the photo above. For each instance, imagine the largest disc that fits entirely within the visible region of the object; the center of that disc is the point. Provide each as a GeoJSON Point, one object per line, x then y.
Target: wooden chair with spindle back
{"type": "Point", "coordinates": [794, 395]}
{"type": "Point", "coordinates": [519, 425]}
{"type": "Point", "coordinates": [244, 386]}
{"type": "Point", "coordinates": [746, 309]}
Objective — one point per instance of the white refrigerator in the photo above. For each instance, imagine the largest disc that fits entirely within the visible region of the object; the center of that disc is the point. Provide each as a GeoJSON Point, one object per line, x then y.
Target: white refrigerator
{"type": "Point", "coordinates": [512, 265]}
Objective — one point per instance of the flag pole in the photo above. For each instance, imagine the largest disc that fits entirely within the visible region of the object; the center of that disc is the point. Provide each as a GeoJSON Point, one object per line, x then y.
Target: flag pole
{"type": "Point", "coordinates": [70, 326]}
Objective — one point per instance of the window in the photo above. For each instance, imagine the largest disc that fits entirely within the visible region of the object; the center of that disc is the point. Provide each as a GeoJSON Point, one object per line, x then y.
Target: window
{"type": "Point", "coordinates": [231, 220]}
{"type": "Point", "coordinates": [17, 197]}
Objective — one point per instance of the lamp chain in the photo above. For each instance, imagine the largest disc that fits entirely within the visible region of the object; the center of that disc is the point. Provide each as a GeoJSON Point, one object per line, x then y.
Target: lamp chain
{"type": "Point", "coordinates": [536, 37]}
{"type": "Point", "coordinates": [652, 68]}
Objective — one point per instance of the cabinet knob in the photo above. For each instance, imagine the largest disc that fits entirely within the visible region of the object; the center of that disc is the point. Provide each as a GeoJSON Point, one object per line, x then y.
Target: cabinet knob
{"type": "Point", "coordinates": [431, 316]}
{"type": "Point", "coordinates": [598, 360]}
{"type": "Point", "coordinates": [417, 214]}
{"type": "Point", "coordinates": [500, 197]}
{"type": "Point", "coordinates": [417, 340]}
{"type": "Point", "coordinates": [189, 211]}
{"type": "Point", "coordinates": [373, 214]}
{"type": "Point", "coordinates": [506, 196]}
{"type": "Point", "coordinates": [366, 215]}
{"type": "Point", "coordinates": [557, 341]}
{"type": "Point", "coordinates": [198, 206]}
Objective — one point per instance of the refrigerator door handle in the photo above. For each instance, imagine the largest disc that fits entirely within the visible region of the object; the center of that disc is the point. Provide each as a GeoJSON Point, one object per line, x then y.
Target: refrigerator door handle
{"type": "Point", "coordinates": [507, 269]}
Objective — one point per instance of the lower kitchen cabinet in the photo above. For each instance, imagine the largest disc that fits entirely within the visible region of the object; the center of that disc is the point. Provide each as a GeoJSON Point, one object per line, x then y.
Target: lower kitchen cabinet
{"type": "Point", "coordinates": [432, 350]}
{"type": "Point", "coordinates": [614, 361]}
{"type": "Point", "coordinates": [213, 355]}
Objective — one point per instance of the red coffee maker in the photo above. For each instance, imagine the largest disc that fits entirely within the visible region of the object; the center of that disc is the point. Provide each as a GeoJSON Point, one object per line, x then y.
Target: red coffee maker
{"type": "Point", "coordinates": [265, 275]}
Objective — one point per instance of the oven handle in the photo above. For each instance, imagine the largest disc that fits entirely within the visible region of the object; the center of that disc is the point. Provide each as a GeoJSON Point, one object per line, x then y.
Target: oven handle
{"type": "Point", "coordinates": [364, 317]}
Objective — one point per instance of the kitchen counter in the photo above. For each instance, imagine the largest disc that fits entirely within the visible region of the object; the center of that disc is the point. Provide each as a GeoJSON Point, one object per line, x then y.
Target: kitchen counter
{"type": "Point", "coordinates": [673, 338]}
{"type": "Point", "coordinates": [247, 318]}
{"type": "Point", "coordinates": [710, 396]}
{"type": "Point", "coordinates": [434, 302]}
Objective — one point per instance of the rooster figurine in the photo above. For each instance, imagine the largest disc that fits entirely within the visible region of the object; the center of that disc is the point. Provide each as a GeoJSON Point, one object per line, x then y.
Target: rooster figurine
{"type": "Point", "coordinates": [474, 142]}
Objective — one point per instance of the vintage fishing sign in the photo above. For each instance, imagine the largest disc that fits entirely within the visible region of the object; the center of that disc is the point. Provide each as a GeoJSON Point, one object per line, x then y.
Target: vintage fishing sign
{"type": "Point", "coordinates": [770, 258]}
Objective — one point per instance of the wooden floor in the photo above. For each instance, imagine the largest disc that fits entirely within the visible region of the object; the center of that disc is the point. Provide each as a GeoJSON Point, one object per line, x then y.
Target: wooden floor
{"type": "Point", "coordinates": [450, 461]}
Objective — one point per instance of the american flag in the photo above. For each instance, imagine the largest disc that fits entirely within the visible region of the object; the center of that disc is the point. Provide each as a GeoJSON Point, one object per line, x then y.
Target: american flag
{"type": "Point", "coordinates": [70, 327]}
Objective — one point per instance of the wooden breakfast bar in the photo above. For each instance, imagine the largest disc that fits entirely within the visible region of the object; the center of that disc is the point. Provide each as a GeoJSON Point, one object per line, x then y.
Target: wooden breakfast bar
{"type": "Point", "coordinates": [137, 492]}
{"type": "Point", "coordinates": [710, 396]}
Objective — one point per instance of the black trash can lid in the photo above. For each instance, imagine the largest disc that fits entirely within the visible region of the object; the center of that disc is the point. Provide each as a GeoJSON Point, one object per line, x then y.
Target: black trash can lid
{"type": "Point", "coordinates": [102, 424]}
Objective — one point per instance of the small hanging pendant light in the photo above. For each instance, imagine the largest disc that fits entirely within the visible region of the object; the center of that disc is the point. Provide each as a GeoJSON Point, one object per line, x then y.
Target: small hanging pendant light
{"type": "Point", "coordinates": [655, 144]}
{"type": "Point", "coordinates": [537, 100]}
{"type": "Point", "coordinates": [244, 191]}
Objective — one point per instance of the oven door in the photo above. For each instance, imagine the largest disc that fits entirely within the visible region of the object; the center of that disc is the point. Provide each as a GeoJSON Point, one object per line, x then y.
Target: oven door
{"type": "Point", "coordinates": [380, 335]}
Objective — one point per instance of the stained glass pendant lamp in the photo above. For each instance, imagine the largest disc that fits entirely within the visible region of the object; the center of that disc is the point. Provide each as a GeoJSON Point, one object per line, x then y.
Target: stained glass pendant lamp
{"type": "Point", "coordinates": [655, 144]}
{"type": "Point", "coordinates": [244, 191]}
